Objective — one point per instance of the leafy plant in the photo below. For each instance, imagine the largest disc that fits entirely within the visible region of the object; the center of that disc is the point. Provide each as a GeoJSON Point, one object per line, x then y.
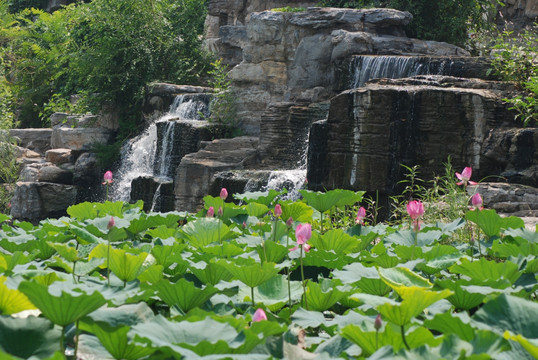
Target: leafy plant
{"type": "Point", "coordinates": [515, 59]}
{"type": "Point", "coordinates": [223, 105]}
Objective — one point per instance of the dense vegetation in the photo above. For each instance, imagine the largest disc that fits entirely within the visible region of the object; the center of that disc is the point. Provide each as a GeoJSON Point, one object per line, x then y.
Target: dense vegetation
{"type": "Point", "coordinates": [103, 51]}
{"type": "Point", "coordinates": [440, 20]}
{"type": "Point", "coordinates": [268, 279]}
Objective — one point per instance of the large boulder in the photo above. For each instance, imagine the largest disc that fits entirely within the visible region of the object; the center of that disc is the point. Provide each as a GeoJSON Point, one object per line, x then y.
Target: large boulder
{"type": "Point", "coordinates": [34, 201]}
{"type": "Point", "coordinates": [80, 139]}
{"type": "Point", "coordinates": [38, 140]}
{"type": "Point", "coordinates": [195, 174]}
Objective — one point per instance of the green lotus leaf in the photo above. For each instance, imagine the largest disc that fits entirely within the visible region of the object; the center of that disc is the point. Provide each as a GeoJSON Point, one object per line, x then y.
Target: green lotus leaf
{"type": "Point", "coordinates": [183, 294]}
{"type": "Point", "coordinates": [82, 211]}
{"type": "Point", "coordinates": [272, 252]}
{"type": "Point", "coordinates": [322, 296]}
{"type": "Point", "coordinates": [152, 274]}
{"type": "Point", "coordinates": [201, 337]}
{"type": "Point", "coordinates": [298, 211]}
{"type": "Point", "coordinates": [366, 340]}
{"type": "Point", "coordinates": [67, 251]}
{"type": "Point", "coordinates": [407, 237]}
{"type": "Point", "coordinates": [438, 264]}
{"type": "Point", "coordinates": [383, 260]}
{"type": "Point", "coordinates": [251, 275]}
{"type": "Point", "coordinates": [274, 292]}
{"type": "Point", "coordinates": [261, 197]}
{"type": "Point", "coordinates": [509, 313]}
{"type": "Point", "coordinates": [323, 201]}
{"type": "Point", "coordinates": [85, 237]}
{"type": "Point", "coordinates": [12, 301]}
{"type": "Point", "coordinates": [229, 210]}
{"type": "Point", "coordinates": [116, 208]}
{"type": "Point", "coordinates": [126, 266]}
{"type": "Point", "coordinates": [167, 255]}
{"type": "Point", "coordinates": [461, 298]}
{"type": "Point", "coordinates": [530, 345]}
{"type": "Point", "coordinates": [336, 240]}
{"type": "Point", "coordinates": [523, 233]}
{"type": "Point", "coordinates": [204, 231]}
{"type": "Point", "coordinates": [448, 323]}
{"type": "Point", "coordinates": [354, 272]}
{"type": "Point", "coordinates": [62, 303]}
{"type": "Point", "coordinates": [111, 326]}
{"type": "Point", "coordinates": [320, 258]}
{"type": "Point", "coordinates": [18, 241]}
{"type": "Point", "coordinates": [402, 277]}
{"type": "Point", "coordinates": [488, 221]}
{"type": "Point", "coordinates": [256, 209]}
{"type": "Point", "coordinates": [8, 262]}
{"type": "Point", "coordinates": [210, 273]}
{"type": "Point", "coordinates": [349, 198]}
{"type": "Point", "coordinates": [415, 300]}
{"type": "Point", "coordinates": [484, 270]}
{"type": "Point", "coordinates": [28, 337]}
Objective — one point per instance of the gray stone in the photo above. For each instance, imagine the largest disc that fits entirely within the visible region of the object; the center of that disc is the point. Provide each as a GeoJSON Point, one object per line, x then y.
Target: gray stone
{"type": "Point", "coordinates": [86, 169]}
{"type": "Point", "coordinates": [59, 156]}
{"type": "Point", "coordinates": [54, 174]}
{"type": "Point", "coordinates": [80, 138]}
{"type": "Point", "coordinates": [34, 201]}
{"type": "Point", "coordinates": [38, 140]}
{"type": "Point", "coordinates": [195, 173]}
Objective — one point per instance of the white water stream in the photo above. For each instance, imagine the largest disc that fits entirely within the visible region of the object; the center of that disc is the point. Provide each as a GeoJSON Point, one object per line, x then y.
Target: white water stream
{"type": "Point", "coordinates": [138, 155]}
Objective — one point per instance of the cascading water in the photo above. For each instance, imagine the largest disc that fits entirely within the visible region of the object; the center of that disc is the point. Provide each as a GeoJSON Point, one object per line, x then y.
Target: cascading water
{"type": "Point", "coordinates": [367, 67]}
{"type": "Point", "coordinates": [139, 155]}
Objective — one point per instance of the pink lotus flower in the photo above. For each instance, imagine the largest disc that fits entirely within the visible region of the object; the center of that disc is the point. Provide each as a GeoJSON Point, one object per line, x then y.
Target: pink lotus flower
{"type": "Point", "coordinates": [111, 223]}
{"type": "Point", "coordinates": [278, 210]}
{"type": "Point", "coordinates": [223, 193]}
{"type": "Point", "coordinates": [465, 177]}
{"type": "Point", "coordinates": [476, 201]}
{"type": "Point", "coordinates": [361, 214]}
{"type": "Point", "coordinates": [303, 233]}
{"type": "Point", "coordinates": [259, 315]}
{"type": "Point", "coordinates": [220, 211]}
{"type": "Point", "coordinates": [108, 178]}
{"type": "Point", "coordinates": [415, 209]}
{"type": "Point", "coordinates": [210, 212]}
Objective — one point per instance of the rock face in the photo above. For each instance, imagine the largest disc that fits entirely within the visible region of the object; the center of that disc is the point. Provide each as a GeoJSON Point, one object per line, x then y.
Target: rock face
{"type": "Point", "coordinates": [195, 173]}
{"type": "Point", "coordinates": [157, 193]}
{"type": "Point", "coordinates": [370, 131]}
{"type": "Point", "coordinates": [298, 56]}
{"type": "Point", "coordinates": [37, 140]}
{"type": "Point", "coordinates": [517, 14]}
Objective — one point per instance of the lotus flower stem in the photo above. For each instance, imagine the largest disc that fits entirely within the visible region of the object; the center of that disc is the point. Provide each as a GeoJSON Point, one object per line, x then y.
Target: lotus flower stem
{"type": "Point", "coordinates": [252, 295]}
{"type": "Point", "coordinates": [302, 278]}
{"type": "Point", "coordinates": [402, 331]}
{"type": "Point", "coordinates": [76, 339]}
{"type": "Point", "coordinates": [62, 340]}
{"type": "Point", "coordinates": [288, 272]}
{"type": "Point", "coordinates": [108, 262]}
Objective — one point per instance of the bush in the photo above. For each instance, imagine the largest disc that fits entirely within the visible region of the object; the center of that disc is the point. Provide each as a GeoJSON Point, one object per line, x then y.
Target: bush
{"type": "Point", "coordinates": [111, 48]}
{"type": "Point", "coordinates": [515, 58]}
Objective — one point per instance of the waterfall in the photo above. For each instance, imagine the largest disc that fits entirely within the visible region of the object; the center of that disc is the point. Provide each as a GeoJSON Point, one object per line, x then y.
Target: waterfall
{"type": "Point", "coordinates": [367, 67]}
{"type": "Point", "coordinates": [139, 155]}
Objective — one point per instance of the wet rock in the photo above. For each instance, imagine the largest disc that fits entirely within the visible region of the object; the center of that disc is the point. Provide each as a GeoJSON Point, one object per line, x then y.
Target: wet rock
{"type": "Point", "coordinates": [157, 193]}
{"type": "Point", "coordinates": [86, 169]}
{"type": "Point", "coordinates": [372, 130]}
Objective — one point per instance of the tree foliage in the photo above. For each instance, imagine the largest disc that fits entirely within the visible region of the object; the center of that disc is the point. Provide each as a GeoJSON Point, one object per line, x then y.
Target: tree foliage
{"type": "Point", "coordinates": [108, 49]}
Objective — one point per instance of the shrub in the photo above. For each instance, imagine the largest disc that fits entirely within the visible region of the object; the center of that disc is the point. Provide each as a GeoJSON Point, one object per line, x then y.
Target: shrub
{"type": "Point", "coordinates": [515, 58]}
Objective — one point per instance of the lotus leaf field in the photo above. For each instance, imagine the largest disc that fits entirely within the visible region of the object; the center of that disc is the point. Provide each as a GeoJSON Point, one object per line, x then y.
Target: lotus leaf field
{"type": "Point", "coordinates": [111, 281]}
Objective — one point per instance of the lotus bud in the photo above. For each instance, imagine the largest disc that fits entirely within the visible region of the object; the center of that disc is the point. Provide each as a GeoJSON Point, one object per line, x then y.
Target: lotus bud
{"type": "Point", "coordinates": [219, 212]}
{"type": "Point", "coordinates": [415, 209]}
{"type": "Point", "coordinates": [278, 210]}
{"type": "Point", "coordinates": [108, 178]}
{"type": "Point", "coordinates": [110, 223]}
{"type": "Point", "coordinates": [361, 214]}
{"type": "Point", "coordinates": [289, 222]}
{"type": "Point", "coordinates": [259, 315]}
{"type": "Point", "coordinates": [476, 200]}
{"type": "Point", "coordinates": [210, 212]}
{"type": "Point", "coordinates": [223, 193]}
{"type": "Point", "coordinates": [377, 322]}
